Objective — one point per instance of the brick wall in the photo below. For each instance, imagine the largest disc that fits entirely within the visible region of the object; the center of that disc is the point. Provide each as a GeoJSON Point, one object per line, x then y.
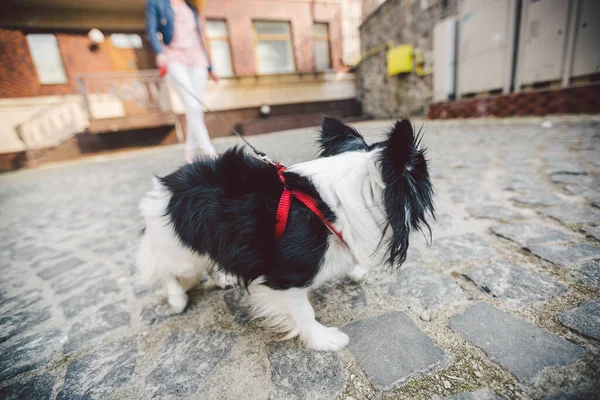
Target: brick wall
{"type": "Point", "coordinates": [18, 77]}
{"type": "Point", "coordinates": [239, 15]}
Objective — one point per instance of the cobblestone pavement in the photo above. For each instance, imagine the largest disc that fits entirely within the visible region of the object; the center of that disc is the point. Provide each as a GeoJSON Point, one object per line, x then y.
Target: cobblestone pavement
{"type": "Point", "coordinates": [504, 304]}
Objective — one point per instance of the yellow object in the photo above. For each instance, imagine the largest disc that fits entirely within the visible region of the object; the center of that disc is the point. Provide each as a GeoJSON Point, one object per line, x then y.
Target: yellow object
{"type": "Point", "coordinates": [419, 70]}
{"type": "Point", "coordinates": [400, 59]}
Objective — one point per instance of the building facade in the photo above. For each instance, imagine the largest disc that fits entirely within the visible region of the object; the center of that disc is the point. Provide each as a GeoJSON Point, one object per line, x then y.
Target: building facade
{"type": "Point", "coordinates": [81, 75]}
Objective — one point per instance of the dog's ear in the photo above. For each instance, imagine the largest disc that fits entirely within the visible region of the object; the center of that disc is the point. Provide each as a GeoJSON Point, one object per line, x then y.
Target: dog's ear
{"type": "Point", "coordinates": [408, 192]}
{"type": "Point", "coordinates": [337, 137]}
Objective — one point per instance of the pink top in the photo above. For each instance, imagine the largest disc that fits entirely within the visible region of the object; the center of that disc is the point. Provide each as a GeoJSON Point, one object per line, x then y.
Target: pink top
{"type": "Point", "coordinates": [185, 48]}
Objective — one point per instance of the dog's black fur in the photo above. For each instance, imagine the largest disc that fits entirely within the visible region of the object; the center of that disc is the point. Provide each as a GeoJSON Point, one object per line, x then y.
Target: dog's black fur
{"type": "Point", "coordinates": [233, 200]}
{"type": "Point", "coordinates": [226, 207]}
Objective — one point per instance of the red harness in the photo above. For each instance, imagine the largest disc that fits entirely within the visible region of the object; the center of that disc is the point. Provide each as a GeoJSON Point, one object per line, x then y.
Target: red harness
{"type": "Point", "coordinates": [285, 202]}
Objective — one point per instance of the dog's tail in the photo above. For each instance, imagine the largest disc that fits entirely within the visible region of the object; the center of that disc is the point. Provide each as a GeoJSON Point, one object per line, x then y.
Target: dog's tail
{"type": "Point", "coordinates": [408, 193]}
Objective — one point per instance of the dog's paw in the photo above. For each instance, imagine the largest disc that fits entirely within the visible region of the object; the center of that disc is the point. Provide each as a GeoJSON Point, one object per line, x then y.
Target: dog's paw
{"type": "Point", "coordinates": [222, 280]}
{"type": "Point", "coordinates": [357, 273]}
{"type": "Point", "coordinates": [178, 302]}
{"type": "Point", "coordinates": [324, 338]}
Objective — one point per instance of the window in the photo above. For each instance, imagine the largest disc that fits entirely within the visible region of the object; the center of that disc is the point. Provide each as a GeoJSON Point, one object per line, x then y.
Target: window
{"type": "Point", "coordinates": [126, 41]}
{"type": "Point", "coordinates": [321, 47]}
{"type": "Point", "coordinates": [46, 59]}
{"type": "Point", "coordinates": [218, 47]}
{"type": "Point", "coordinates": [274, 47]}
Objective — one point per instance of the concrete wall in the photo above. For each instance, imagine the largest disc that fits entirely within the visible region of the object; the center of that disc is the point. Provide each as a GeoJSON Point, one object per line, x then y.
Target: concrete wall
{"type": "Point", "coordinates": [403, 22]}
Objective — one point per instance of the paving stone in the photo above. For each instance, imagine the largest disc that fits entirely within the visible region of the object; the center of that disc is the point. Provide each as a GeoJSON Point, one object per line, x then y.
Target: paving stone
{"type": "Point", "coordinates": [60, 268]}
{"type": "Point", "coordinates": [525, 233]}
{"type": "Point", "coordinates": [482, 394]}
{"type": "Point", "coordinates": [186, 358]}
{"type": "Point", "coordinates": [78, 278]}
{"type": "Point", "coordinates": [391, 350]}
{"type": "Point", "coordinates": [567, 255]}
{"type": "Point", "coordinates": [589, 393]}
{"type": "Point", "coordinates": [589, 273]}
{"type": "Point", "coordinates": [573, 215]}
{"type": "Point", "coordinates": [461, 248]}
{"type": "Point", "coordinates": [521, 184]}
{"type": "Point", "coordinates": [15, 324]}
{"type": "Point", "coordinates": [511, 282]}
{"type": "Point", "coordinates": [101, 372]}
{"type": "Point", "coordinates": [538, 199]}
{"type": "Point", "coordinates": [300, 373]}
{"type": "Point", "coordinates": [576, 179]}
{"type": "Point", "coordinates": [24, 301]}
{"type": "Point", "coordinates": [96, 294]}
{"type": "Point", "coordinates": [235, 302]}
{"type": "Point", "coordinates": [593, 231]}
{"type": "Point", "coordinates": [344, 293]}
{"type": "Point", "coordinates": [29, 353]}
{"type": "Point", "coordinates": [244, 374]}
{"type": "Point", "coordinates": [156, 313]}
{"type": "Point", "coordinates": [584, 319]}
{"type": "Point", "coordinates": [493, 212]}
{"type": "Point", "coordinates": [523, 349]}
{"type": "Point", "coordinates": [563, 167]}
{"type": "Point", "coordinates": [423, 288]}
{"type": "Point", "coordinates": [37, 388]}
{"type": "Point", "coordinates": [97, 325]}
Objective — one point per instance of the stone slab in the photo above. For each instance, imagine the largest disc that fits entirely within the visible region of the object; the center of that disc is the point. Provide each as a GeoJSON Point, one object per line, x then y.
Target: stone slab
{"type": "Point", "coordinates": [463, 248]}
{"type": "Point", "coordinates": [20, 322]}
{"type": "Point", "coordinates": [185, 359]}
{"type": "Point", "coordinates": [92, 296]}
{"type": "Point", "coordinates": [524, 185]}
{"type": "Point", "coordinates": [573, 215]}
{"type": "Point", "coordinates": [493, 212]}
{"type": "Point", "coordinates": [523, 349]}
{"type": "Point", "coordinates": [97, 325]}
{"type": "Point", "coordinates": [593, 231]}
{"type": "Point", "coordinates": [300, 373]}
{"type": "Point", "coordinates": [589, 273]}
{"type": "Point", "coordinates": [482, 394]}
{"type": "Point", "coordinates": [391, 350]}
{"type": "Point", "coordinates": [344, 293]}
{"type": "Point", "coordinates": [538, 199]}
{"type": "Point", "coordinates": [565, 255]}
{"type": "Point", "coordinates": [424, 289]}
{"type": "Point", "coordinates": [584, 319]}
{"type": "Point", "coordinates": [511, 282]}
{"type": "Point", "coordinates": [525, 233]}
{"type": "Point", "coordinates": [61, 267]}
{"type": "Point", "coordinates": [29, 353]}
{"type": "Point", "coordinates": [102, 372]}
{"type": "Point", "coordinates": [37, 388]}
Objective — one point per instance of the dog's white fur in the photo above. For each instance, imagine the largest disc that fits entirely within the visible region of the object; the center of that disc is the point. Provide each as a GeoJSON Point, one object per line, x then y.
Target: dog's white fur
{"type": "Point", "coordinates": [349, 183]}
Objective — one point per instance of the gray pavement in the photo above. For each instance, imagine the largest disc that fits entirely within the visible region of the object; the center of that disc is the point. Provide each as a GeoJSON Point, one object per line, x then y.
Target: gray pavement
{"type": "Point", "coordinates": [504, 304]}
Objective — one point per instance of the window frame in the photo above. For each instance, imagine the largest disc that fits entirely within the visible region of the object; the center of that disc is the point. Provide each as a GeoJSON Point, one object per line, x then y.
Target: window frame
{"type": "Point", "coordinates": [35, 65]}
{"type": "Point", "coordinates": [273, 37]}
{"type": "Point", "coordinates": [321, 38]}
{"type": "Point", "coordinates": [220, 39]}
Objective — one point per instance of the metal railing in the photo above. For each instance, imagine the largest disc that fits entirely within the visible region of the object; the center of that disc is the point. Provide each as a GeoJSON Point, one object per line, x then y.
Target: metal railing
{"type": "Point", "coordinates": [121, 94]}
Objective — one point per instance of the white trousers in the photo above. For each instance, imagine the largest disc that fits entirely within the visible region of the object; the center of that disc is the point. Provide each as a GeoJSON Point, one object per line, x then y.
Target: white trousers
{"type": "Point", "coordinates": [193, 79]}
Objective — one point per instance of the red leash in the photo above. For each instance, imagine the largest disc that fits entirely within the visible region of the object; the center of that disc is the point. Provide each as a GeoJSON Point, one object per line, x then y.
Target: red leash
{"type": "Point", "coordinates": [285, 202]}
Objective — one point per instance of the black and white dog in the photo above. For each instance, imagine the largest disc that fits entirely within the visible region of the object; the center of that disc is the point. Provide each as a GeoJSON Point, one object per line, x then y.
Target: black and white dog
{"type": "Point", "coordinates": [220, 214]}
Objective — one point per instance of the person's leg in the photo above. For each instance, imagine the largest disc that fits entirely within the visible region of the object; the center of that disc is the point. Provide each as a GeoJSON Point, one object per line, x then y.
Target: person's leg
{"type": "Point", "coordinates": [179, 75]}
{"type": "Point", "coordinates": [201, 136]}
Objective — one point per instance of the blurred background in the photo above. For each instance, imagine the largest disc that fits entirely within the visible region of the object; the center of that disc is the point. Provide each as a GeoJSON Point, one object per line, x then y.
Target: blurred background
{"type": "Point", "coordinates": [78, 77]}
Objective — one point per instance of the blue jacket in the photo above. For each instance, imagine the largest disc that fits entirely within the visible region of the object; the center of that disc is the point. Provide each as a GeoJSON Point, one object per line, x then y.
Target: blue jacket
{"type": "Point", "coordinates": [159, 18]}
